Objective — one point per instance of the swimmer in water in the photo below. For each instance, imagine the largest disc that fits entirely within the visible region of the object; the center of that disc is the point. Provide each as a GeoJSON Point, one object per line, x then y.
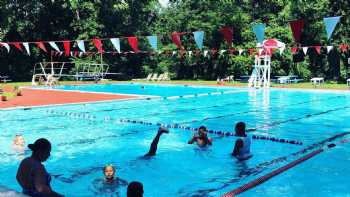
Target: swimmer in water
{"type": "Point", "coordinates": [201, 138]}
{"type": "Point", "coordinates": [19, 143]}
{"type": "Point", "coordinates": [242, 145]}
{"type": "Point", "coordinates": [154, 145]}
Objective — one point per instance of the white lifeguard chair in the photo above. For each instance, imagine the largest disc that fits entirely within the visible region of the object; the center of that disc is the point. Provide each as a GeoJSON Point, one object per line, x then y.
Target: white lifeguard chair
{"type": "Point", "coordinates": [261, 75]}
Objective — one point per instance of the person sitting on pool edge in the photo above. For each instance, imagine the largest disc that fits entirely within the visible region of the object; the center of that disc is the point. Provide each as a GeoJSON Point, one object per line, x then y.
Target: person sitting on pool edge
{"type": "Point", "coordinates": [242, 145]}
{"type": "Point", "coordinates": [201, 138]}
{"type": "Point", "coordinates": [32, 175]}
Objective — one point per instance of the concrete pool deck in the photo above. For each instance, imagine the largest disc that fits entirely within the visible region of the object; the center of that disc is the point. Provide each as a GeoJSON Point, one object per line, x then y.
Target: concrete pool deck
{"type": "Point", "coordinates": [40, 97]}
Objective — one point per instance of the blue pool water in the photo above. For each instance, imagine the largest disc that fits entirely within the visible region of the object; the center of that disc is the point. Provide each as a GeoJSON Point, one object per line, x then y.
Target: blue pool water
{"type": "Point", "coordinates": [88, 136]}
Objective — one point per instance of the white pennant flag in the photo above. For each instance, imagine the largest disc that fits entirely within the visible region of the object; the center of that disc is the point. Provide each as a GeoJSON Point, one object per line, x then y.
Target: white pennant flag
{"type": "Point", "coordinates": [81, 45]}
{"type": "Point", "coordinates": [116, 43]}
{"type": "Point", "coordinates": [190, 53]}
{"type": "Point", "coordinates": [205, 53]}
{"type": "Point", "coordinates": [53, 45]}
{"type": "Point", "coordinates": [222, 52]}
{"type": "Point", "coordinates": [26, 46]}
{"type": "Point", "coordinates": [240, 51]}
{"type": "Point", "coordinates": [329, 48]}
{"type": "Point", "coordinates": [6, 46]}
{"type": "Point", "coordinates": [305, 50]}
{"type": "Point", "coordinates": [81, 54]}
{"type": "Point", "coordinates": [260, 51]}
{"type": "Point", "coordinates": [174, 53]}
{"type": "Point", "coordinates": [71, 53]}
{"type": "Point", "coordinates": [282, 49]}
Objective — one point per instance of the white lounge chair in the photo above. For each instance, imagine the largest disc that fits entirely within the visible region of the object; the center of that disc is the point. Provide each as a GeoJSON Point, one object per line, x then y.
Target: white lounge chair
{"type": "Point", "coordinates": [316, 81]}
{"type": "Point", "coordinates": [154, 77]}
{"type": "Point", "coordinates": [147, 78]}
{"type": "Point", "coordinates": [229, 78]}
{"type": "Point", "coordinates": [166, 76]}
{"type": "Point", "coordinates": [348, 82]}
{"type": "Point", "coordinates": [160, 77]}
{"type": "Point", "coordinates": [5, 79]}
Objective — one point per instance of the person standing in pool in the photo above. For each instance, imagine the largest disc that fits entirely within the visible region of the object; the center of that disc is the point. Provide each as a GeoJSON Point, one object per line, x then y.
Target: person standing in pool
{"type": "Point", "coordinates": [32, 175]}
{"type": "Point", "coordinates": [135, 189]}
{"type": "Point", "coordinates": [241, 150]}
{"type": "Point", "coordinates": [201, 138]}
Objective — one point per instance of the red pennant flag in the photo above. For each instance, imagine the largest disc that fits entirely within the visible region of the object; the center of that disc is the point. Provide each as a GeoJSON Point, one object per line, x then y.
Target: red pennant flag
{"type": "Point", "coordinates": [343, 47]}
{"type": "Point", "coordinates": [251, 51]}
{"type": "Point", "coordinates": [297, 27]}
{"type": "Point", "coordinates": [227, 32]}
{"type": "Point", "coordinates": [318, 49]}
{"type": "Point", "coordinates": [98, 44]}
{"type": "Point", "coordinates": [175, 37]}
{"type": "Point", "coordinates": [133, 42]}
{"type": "Point", "coordinates": [232, 50]}
{"type": "Point", "coordinates": [41, 46]}
{"type": "Point", "coordinates": [18, 45]}
{"type": "Point", "coordinates": [66, 45]}
{"type": "Point", "coordinates": [294, 50]}
{"type": "Point", "coordinates": [76, 53]}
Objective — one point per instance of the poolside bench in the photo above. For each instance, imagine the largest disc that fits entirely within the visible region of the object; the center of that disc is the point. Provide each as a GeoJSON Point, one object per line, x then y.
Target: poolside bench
{"type": "Point", "coordinates": [5, 79]}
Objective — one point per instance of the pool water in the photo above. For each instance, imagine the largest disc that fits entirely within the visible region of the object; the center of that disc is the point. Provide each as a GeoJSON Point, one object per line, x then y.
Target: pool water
{"type": "Point", "coordinates": [88, 136]}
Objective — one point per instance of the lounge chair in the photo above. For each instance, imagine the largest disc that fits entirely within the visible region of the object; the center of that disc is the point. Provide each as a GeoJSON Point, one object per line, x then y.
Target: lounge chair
{"type": "Point", "coordinates": [229, 78]}
{"type": "Point", "coordinates": [5, 79]}
{"type": "Point", "coordinates": [317, 81]}
{"type": "Point", "coordinates": [166, 76]}
{"type": "Point", "coordinates": [51, 80]}
{"type": "Point", "coordinates": [147, 78]}
{"type": "Point", "coordinates": [154, 77]}
{"type": "Point", "coordinates": [160, 77]}
{"type": "Point", "coordinates": [348, 82]}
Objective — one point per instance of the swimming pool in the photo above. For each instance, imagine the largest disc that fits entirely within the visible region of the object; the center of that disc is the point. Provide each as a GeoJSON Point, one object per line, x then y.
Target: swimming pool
{"type": "Point", "coordinates": [88, 136]}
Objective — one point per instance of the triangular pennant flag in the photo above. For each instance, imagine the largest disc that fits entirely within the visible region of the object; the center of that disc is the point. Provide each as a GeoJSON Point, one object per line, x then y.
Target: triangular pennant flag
{"type": "Point", "coordinates": [198, 38]}
{"type": "Point", "coordinates": [175, 37]}
{"type": "Point", "coordinates": [7, 46]}
{"type": "Point", "coordinates": [98, 44]}
{"type": "Point", "coordinates": [329, 48]}
{"type": "Point", "coordinates": [66, 46]}
{"type": "Point", "coordinates": [282, 50]}
{"type": "Point", "coordinates": [259, 30]}
{"type": "Point", "coordinates": [205, 53]}
{"type": "Point", "coordinates": [81, 45]}
{"type": "Point", "coordinates": [174, 53]}
{"type": "Point", "coordinates": [71, 54]}
{"type": "Point", "coordinates": [116, 43]}
{"type": "Point", "coordinates": [54, 46]}
{"type": "Point", "coordinates": [189, 53]}
{"type": "Point", "coordinates": [41, 46]}
{"type": "Point", "coordinates": [344, 47]}
{"type": "Point", "coordinates": [134, 44]}
{"type": "Point", "coordinates": [318, 49]}
{"type": "Point", "coordinates": [294, 50]}
{"type": "Point", "coordinates": [305, 50]}
{"type": "Point", "coordinates": [222, 52]}
{"type": "Point", "coordinates": [81, 54]}
{"type": "Point", "coordinates": [297, 27]}
{"type": "Point", "coordinates": [26, 46]}
{"type": "Point", "coordinates": [227, 32]}
{"type": "Point", "coordinates": [330, 24]}
{"type": "Point", "coordinates": [153, 41]}
{"type": "Point", "coordinates": [240, 51]}
{"type": "Point", "coordinates": [18, 45]}
{"type": "Point", "coordinates": [260, 51]}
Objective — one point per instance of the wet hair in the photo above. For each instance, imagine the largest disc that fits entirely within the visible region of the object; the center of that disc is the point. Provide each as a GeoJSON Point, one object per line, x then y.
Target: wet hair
{"type": "Point", "coordinates": [40, 145]}
{"type": "Point", "coordinates": [135, 189]}
{"type": "Point", "coordinates": [202, 128]}
{"type": "Point", "coordinates": [240, 129]}
{"type": "Point", "coordinates": [108, 165]}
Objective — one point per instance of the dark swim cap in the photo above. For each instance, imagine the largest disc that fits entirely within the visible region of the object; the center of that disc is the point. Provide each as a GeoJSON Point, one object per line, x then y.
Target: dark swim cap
{"type": "Point", "coordinates": [40, 144]}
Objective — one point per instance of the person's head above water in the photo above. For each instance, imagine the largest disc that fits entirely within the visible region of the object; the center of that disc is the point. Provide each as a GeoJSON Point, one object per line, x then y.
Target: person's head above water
{"type": "Point", "coordinates": [19, 140]}
{"type": "Point", "coordinates": [135, 189]}
{"type": "Point", "coordinates": [202, 131]}
{"type": "Point", "coordinates": [240, 129]}
{"type": "Point", "coordinates": [109, 172]}
{"type": "Point", "coordinates": [41, 149]}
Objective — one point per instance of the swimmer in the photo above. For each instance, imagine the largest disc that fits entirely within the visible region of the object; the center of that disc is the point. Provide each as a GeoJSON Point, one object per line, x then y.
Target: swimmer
{"type": "Point", "coordinates": [135, 189]}
{"type": "Point", "coordinates": [242, 145]}
{"type": "Point", "coordinates": [32, 175]}
{"type": "Point", "coordinates": [142, 87]}
{"type": "Point", "coordinates": [154, 145]}
{"type": "Point", "coordinates": [201, 138]}
{"type": "Point", "coordinates": [109, 173]}
{"type": "Point", "coordinates": [109, 184]}
{"type": "Point", "coordinates": [19, 142]}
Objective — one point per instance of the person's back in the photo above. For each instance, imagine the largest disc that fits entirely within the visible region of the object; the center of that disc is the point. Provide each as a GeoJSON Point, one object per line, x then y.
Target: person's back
{"type": "Point", "coordinates": [242, 145]}
{"type": "Point", "coordinates": [135, 189]}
